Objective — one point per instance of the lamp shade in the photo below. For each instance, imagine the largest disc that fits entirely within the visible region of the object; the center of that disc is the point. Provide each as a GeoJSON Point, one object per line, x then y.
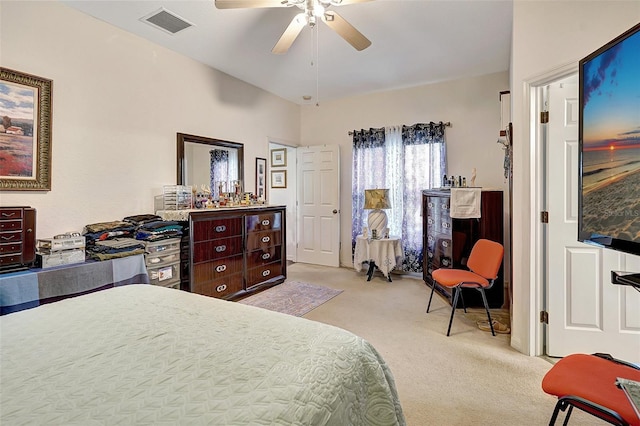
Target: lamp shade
{"type": "Point", "coordinates": [376, 199]}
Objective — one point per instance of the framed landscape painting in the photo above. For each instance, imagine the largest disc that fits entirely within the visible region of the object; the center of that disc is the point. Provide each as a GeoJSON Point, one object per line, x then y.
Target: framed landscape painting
{"type": "Point", "coordinates": [25, 132]}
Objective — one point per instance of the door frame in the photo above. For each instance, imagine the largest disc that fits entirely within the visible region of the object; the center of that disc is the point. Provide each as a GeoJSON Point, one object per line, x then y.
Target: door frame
{"type": "Point", "coordinates": [292, 225]}
{"type": "Point", "coordinates": [538, 168]}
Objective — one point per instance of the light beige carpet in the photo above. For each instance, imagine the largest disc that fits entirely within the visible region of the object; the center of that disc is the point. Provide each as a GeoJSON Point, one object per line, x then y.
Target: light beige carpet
{"type": "Point", "coordinates": [469, 378]}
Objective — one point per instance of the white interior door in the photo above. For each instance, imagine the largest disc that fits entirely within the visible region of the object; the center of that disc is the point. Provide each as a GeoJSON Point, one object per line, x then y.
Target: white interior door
{"type": "Point", "coordinates": [319, 205]}
{"type": "Point", "coordinates": [586, 312]}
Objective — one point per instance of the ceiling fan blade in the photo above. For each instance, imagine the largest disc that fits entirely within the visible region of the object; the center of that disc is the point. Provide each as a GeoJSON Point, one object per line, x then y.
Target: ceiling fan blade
{"type": "Point", "coordinates": [290, 34]}
{"type": "Point", "coordinates": [347, 31]}
{"type": "Point", "coordinates": [249, 4]}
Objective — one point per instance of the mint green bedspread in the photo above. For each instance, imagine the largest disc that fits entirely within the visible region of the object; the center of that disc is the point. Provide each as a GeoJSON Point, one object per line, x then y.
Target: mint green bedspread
{"type": "Point", "coordinates": [142, 354]}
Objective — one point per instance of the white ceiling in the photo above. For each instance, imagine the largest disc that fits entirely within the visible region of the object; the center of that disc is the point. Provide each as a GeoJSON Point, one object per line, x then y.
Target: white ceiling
{"type": "Point", "coordinates": [414, 42]}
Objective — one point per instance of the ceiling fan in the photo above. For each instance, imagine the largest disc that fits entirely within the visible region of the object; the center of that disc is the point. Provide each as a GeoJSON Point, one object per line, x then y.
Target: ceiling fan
{"type": "Point", "coordinates": [312, 10]}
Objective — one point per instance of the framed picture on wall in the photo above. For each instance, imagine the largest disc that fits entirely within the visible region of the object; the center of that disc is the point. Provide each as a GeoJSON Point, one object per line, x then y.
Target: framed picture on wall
{"type": "Point", "coordinates": [261, 176]}
{"type": "Point", "coordinates": [279, 157]}
{"type": "Point", "coordinates": [25, 132]}
{"type": "Point", "coordinates": [278, 178]}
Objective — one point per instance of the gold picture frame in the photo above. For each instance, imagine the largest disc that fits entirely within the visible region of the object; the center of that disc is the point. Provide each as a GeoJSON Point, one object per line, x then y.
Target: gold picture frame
{"type": "Point", "coordinates": [25, 132]}
{"type": "Point", "coordinates": [278, 178]}
{"type": "Point", "coordinates": [279, 157]}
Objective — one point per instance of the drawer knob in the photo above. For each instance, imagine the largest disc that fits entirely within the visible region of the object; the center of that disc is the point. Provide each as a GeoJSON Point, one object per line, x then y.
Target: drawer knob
{"type": "Point", "coordinates": [266, 239]}
{"type": "Point", "coordinates": [221, 228]}
{"type": "Point", "coordinates": [266, 256]}
{"type": "Point", "coordinates": [266, 222]}
{"type": "Point", "coordinates": [220, 249]}
{"type": "Point", "coordinates": [221, 288]}
{"type": "Point", "coordinates": [266, 273]}
{"type": "Point", "coordinates": [221, 268]}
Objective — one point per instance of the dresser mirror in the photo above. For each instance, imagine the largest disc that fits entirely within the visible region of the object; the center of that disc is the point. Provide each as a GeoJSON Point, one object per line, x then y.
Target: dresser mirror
{"type": "Point", "coordinates": [207, 162]}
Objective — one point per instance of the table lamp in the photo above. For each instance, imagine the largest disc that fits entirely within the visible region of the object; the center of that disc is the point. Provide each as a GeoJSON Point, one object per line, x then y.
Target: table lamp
{"type": "Point", "coordinates": [376, 200]}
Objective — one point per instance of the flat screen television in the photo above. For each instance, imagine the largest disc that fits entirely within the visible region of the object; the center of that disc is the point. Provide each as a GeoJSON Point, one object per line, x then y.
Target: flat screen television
{"type": "Point", "coordinates": [609, 141]}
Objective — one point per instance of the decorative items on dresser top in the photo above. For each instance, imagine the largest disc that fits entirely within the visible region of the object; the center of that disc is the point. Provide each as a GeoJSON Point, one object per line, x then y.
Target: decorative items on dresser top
{"type": "Point", "coordinates": [17, 238]}
{"type": "Point", "coordinates": [448, 241]}
{"type": "Point", "coordinates": [232, 252]}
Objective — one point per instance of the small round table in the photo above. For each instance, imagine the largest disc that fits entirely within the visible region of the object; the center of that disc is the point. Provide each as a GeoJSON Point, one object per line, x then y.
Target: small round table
{"type": "Point", "coordinates": [384, 254]}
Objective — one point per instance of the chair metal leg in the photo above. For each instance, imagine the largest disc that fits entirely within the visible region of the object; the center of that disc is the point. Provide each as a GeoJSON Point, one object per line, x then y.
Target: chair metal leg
{"type": "Point", "coordinates": [486, 307]}
{"type": "Point", "coordinates": [433, 286]}
{"type": "Point", "coordinates": [456, 291]}
{"type": "Point", "coordinates": [566, 418]}
{"type": "Point", "coordinates": [462, 299]}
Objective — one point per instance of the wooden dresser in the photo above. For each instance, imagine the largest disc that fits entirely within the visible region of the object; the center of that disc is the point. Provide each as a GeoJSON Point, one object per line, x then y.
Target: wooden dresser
{"type": "Point", "coordinates": [233, 252]}
{"type": "Point", "coordinates": [448, 242]}
{"type": "Point", "coordinates": [17, 238]}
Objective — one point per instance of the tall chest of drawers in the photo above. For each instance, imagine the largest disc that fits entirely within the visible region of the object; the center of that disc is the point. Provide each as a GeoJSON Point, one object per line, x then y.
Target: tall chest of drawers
{"type": "Point", "coordinates": [237, 251]}
{"type": "Point", "coordinates": [17, 238]}
{"type": "Point", "coordinates": [448, 242]}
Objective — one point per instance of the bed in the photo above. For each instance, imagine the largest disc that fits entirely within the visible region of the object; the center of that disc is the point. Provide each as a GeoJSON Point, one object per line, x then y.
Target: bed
{"type": "Point", "coordinates": [144, 354]}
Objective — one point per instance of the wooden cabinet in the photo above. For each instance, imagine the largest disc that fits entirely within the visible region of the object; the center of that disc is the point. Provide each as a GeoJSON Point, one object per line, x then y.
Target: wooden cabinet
{"type": "Point", "coordinates": [17, 238]}
{"type": "Point", "coordinates": [448, 242]}
{"type": "Point", "coordinates": [236, 251]}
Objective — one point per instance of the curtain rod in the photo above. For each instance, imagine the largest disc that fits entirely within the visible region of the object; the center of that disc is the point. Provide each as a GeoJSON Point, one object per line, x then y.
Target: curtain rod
{"type": "Point", "coordinates": [447, 124]}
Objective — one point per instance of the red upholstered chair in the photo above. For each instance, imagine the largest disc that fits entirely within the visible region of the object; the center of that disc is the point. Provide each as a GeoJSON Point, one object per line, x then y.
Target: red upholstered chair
{"type": "Point", "coordinates": [484, 263]}
{"type": "Point", "coordinates": [588, 382]}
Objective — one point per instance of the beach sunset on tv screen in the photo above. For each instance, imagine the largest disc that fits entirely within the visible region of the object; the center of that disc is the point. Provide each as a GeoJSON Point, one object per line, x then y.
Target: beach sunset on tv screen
{"type": "Point", "coordinates": [611, 141]}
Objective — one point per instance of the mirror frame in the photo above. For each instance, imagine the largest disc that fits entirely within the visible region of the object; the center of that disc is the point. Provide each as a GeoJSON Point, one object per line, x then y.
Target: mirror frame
{"type": "Point", "coordinates": [183, 137]}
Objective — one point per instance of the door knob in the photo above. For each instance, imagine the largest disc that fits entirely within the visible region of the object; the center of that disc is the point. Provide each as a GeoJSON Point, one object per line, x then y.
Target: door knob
{"type": "Point", "coordinates": [335, 211]}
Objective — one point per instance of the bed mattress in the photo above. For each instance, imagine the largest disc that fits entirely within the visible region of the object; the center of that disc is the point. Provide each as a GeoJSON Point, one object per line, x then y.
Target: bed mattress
{"type": "Point", "coordinates": [142, 354]}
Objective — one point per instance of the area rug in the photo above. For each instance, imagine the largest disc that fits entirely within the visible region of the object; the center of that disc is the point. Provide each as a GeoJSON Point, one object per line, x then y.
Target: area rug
{"type": "Point", "coordinates": [292, 297]}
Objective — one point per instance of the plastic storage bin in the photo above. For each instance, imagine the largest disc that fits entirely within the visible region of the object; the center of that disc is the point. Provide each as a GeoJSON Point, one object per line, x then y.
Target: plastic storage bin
{"type": "Point", "coordinates": [165, 275]}
{"type": "Point", "coordinates": [177, 197]}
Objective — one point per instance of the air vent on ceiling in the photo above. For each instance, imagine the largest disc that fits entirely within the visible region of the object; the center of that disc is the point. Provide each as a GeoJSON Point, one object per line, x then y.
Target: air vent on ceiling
{"type": "Point", "coordinates": [166, 21]}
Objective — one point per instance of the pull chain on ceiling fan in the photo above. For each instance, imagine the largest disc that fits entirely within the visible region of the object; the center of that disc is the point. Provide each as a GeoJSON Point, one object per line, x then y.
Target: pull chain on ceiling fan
{"type": "Point", "coordinates": [311, 11]}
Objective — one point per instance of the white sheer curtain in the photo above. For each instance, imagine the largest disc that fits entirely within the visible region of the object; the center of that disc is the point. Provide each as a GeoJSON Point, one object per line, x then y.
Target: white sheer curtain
{"type": "Point", "coordinates": [406, 160]}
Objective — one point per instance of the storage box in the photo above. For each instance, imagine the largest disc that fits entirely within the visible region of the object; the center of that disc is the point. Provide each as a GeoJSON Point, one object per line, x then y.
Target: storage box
{"type": "Point", "coordinates": [162, 258]}
{"type": "Point", "coordinates": [162, 245]}
{"type": "Point", "coordinates": [50, 245]}
{"type": "Point", "coordinates": [177, 197]}
{"type": "Point", "coordinates": [165, 275]}
{"type": "Point", "coordinates": [57, 258]}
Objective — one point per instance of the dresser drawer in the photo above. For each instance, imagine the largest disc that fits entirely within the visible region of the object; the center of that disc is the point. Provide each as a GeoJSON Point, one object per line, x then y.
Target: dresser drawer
{"type": "Point", "coordinates": [11, 225]}
{"type": "Point", "coordinates": [9, 259]}
{"type": "Point", "coordinates": [10, 248]}
{"type": "Point", "coordinates": [204, 230]}
{"type": "Point", "coordinates": [262, 257]}
{"type": "Point", "coordinates": [214, 249]}
{"type": "Point", "coordinates": [263, 273]}
{"type": "Point", "coordinates": [263, 239]}
{"type": "Point", "coordinates": [214, 270]}
{"type": "Point", "coordinates": [6, 214]}
{"type": "Point", "coordinates": [220, 288]}
{"type": "Point", "coordinates": [261, 222]}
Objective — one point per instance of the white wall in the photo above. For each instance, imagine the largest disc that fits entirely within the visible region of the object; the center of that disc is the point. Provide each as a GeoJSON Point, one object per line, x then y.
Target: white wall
{"type": "Point", "coordinates": [471, 105]}
{"type": "Point", "coordinates": [547, 35]}
{"type": "Point", "coordinates": [118, 102]}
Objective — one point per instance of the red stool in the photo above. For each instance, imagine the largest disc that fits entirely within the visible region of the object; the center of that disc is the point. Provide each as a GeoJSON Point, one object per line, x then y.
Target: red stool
{"type": "Point", "coordinates": [588, 382]}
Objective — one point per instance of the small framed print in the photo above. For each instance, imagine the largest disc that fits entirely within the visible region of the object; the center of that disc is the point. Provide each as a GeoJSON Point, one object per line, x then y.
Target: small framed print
{"type": "Point", "coordinates": [278, 178]}
{"type": "Point", "coordinates": [279, 157]}
{"type": "Point", "coordinates": [261, 177]}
